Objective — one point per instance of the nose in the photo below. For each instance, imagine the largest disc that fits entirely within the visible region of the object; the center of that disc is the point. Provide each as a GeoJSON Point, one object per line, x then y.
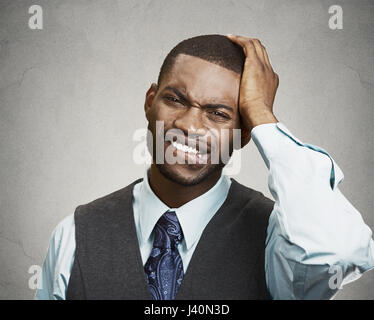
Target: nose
{"type": "Point", "coordinates": [190, 121]}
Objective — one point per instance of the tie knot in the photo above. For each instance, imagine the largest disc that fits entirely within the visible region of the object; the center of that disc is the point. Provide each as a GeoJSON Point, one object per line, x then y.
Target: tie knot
{"type": "Point", "coordinates": [168, 232]}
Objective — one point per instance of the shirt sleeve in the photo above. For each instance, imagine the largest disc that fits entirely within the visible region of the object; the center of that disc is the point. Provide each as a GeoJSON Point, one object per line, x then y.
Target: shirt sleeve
{"type": "Point", "coordinates": [58, 262]}
{"type": "Point", "coordinates": [316, 240]}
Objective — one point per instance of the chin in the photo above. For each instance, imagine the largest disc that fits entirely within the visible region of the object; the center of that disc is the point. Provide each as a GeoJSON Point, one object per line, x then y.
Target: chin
{"type": "Point", "coordinates": [188, 175]}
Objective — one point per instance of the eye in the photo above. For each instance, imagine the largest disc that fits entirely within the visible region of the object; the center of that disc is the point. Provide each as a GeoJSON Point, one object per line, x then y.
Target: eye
{"type": "Point", "coordinates": [172, 99]}
{"type": "Point", "coordinates": [220, 115]}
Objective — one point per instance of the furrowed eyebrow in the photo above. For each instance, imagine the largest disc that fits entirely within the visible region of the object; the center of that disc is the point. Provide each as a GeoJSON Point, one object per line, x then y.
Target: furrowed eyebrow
{"type": "Point", "coordinates": [178, 93]}
{"type": "Point", "coordinates": [206, 106]}
{"type": "Point", "coordinates": [218, 106]}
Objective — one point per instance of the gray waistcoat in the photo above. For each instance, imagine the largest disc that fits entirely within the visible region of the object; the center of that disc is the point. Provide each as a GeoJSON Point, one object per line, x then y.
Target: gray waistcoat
{"type": "Point", "coordinates": [228, 262]}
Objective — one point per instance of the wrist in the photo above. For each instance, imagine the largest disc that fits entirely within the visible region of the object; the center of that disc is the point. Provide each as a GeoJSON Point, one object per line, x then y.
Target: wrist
{"type": "Point", "coordinates": [254, 118]}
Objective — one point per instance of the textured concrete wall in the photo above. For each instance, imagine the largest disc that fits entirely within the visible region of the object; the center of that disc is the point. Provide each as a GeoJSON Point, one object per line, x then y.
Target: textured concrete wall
{"type": "Point", "coordinates": [72, 94]}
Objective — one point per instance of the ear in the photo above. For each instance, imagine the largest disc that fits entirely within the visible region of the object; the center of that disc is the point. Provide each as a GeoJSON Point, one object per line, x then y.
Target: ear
{"type": "Point", "coordinates": [149, 96]}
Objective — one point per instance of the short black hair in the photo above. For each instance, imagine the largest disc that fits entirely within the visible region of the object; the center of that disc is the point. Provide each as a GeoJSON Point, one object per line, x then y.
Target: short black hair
{"type": "Point", "coordinates": [214, 48]}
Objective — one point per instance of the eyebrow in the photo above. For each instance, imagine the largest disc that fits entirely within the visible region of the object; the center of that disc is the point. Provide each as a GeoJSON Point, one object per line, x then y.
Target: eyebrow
{"type": "Point", "coordinates": [182, 97]}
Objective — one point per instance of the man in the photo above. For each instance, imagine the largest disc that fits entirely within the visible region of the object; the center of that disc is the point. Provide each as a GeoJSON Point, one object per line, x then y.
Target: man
{"type": "Point", "coordinates": [186, 231]}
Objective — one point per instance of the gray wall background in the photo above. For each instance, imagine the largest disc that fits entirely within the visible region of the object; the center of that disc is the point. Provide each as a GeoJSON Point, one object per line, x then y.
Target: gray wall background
{"type": "Point", "coordinates": [72, 94]}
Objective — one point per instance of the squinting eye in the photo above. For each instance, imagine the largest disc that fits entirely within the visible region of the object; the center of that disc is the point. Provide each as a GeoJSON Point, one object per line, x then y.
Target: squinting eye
{"type": "Point", "coordinates": [220, 114]}
{"type": "Point", "coordinates": [172, 99]}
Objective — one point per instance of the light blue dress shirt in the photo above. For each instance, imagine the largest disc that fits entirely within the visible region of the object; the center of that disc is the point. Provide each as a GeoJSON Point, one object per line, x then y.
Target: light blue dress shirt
{"type": "Point", "coordinates": [316, 240]}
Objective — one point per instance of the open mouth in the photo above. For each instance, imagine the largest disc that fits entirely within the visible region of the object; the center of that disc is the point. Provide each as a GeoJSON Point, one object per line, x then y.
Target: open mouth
{"type": "Point", "coordinates": [189, 154]}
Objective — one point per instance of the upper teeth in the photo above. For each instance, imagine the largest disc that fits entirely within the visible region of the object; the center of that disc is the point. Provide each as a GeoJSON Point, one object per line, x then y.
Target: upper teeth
{"type": "Point", "coordinates": [184, 147]}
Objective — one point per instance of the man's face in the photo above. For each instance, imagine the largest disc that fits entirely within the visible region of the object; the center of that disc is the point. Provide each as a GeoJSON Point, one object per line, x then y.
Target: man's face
{"type": "Point", "coordinates": [200, 99]}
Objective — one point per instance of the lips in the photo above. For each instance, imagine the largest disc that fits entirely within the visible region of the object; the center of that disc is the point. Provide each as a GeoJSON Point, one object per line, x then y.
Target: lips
{"type": "Point", "coordinates": [185, 148]}
{"type": "Point", "coordinates": [185, 154]}
{"type": "Point", "coordinates": [189, 155]}
{"type": "Point", "coordinates": [188, 149]}
{"type": "Point", "coordinates": [196, 146]}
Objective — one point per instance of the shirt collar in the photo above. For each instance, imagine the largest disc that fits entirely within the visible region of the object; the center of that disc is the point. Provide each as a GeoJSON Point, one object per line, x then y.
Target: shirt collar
{"type": "Point", "coordinates": [193, 216]}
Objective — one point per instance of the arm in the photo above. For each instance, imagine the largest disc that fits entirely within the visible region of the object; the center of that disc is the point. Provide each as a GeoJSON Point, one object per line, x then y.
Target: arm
{"type": "Point", "coordinates": [58, 262]}
{"type": "Point", "coordinates": [316, 241]}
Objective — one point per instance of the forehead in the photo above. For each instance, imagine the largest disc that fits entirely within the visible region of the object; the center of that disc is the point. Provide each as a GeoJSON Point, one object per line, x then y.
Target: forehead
{"type": "Point", "coordinates": [203, 80]}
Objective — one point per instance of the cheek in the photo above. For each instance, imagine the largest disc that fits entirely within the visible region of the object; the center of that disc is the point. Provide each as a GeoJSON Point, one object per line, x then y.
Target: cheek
{"type": "Point", "coordinates": [161, 114]}
{"type": "Point", "coordinates": [157, 113]}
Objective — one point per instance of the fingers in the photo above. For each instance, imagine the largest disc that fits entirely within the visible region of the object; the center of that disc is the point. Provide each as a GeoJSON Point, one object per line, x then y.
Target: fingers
{"type": "Point", "coordinates": [259, 49]}
{"type": "Point", "coordinates": [247, 45]}
{"type": "Point", "coordinates": [266, 57]}
{"type": "Point", "coordinates": [252, 46]}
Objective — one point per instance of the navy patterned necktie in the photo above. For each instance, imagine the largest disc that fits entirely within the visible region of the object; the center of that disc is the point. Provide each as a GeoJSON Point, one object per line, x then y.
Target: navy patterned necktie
{"type": "Point", "coordinates": [164, 267]}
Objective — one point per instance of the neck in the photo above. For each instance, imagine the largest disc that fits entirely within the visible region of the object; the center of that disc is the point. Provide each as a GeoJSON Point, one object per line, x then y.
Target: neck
{"type": "Point", "coordinates": [175, 195]}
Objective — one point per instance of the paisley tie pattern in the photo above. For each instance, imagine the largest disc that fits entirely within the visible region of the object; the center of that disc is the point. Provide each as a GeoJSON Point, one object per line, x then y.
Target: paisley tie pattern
{"type": "Point", "coordinates": [164, 267]}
